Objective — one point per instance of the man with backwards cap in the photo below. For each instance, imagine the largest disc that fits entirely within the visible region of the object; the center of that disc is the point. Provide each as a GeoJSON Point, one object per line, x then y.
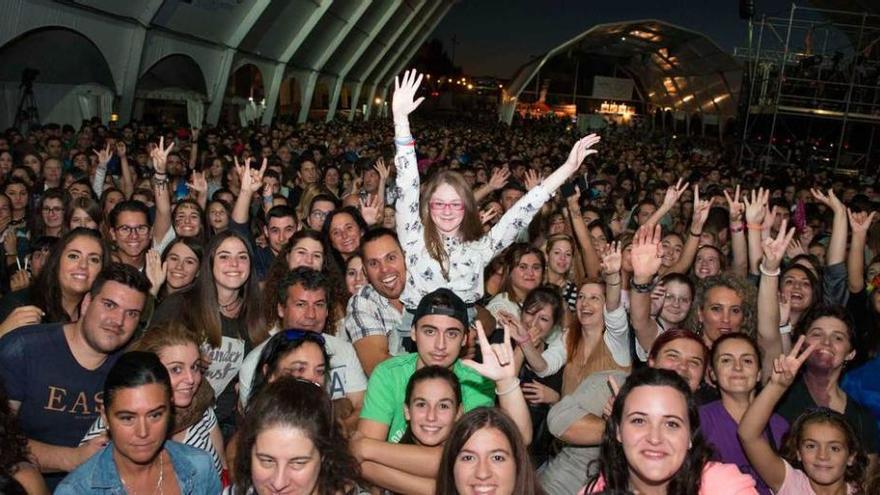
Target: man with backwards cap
{"type": "Point", "coordinates": [439, 331]}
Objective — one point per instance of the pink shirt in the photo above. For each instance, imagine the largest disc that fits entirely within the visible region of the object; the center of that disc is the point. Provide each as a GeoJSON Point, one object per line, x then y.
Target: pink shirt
{"type": "Point", "coordinates": [718, 479]}
{"type": "Point", "coordinates": [797, 483]}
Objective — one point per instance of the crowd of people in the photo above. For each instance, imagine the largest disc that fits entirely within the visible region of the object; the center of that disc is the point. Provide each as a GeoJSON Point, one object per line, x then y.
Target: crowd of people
{"type": "Point", "coordinates": [438, 306]}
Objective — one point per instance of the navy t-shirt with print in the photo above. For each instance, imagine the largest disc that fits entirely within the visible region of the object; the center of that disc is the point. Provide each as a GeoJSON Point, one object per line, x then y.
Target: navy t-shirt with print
{"type": "Point", "coordinates": [59, 398]}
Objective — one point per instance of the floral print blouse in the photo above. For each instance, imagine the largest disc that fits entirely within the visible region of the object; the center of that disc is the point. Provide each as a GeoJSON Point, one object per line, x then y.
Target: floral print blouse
{"type": "Point", "coordinates": [467, 260]}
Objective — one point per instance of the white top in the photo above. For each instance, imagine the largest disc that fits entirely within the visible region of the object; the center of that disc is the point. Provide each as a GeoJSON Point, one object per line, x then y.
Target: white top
{"type": "Point", "coordinates": [346, 374]}
{"type": "Point", "coordinates": [466, 259]}
{"type": "Point", "coordinates": [616, 337]}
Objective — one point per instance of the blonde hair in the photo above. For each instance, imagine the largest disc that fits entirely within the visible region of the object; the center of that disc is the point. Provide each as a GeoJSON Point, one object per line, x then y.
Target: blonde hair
{"type": "Point", "coordinates": [471, 228]}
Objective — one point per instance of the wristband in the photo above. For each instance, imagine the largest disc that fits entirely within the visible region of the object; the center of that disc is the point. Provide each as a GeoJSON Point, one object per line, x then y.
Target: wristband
{"type": "Point", "coordinates": [755, 226]}
{"type": "Point", "coordinates": [785, 329]}
{"type": "Point", "coordinates": [736, 230]}
{"type": "Point", "coordinates": [691, 232]}
{"type": "Point", "coordinates": [767, 272]}
{"type": "Point", "coordinates": [642, 288]}
{"type": "Point", "coordinates": [509, 390]}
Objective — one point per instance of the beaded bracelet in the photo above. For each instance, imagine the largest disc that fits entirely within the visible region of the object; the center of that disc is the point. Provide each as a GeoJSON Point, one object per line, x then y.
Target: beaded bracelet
{"type": "Point", "coordinates": [509, 390]}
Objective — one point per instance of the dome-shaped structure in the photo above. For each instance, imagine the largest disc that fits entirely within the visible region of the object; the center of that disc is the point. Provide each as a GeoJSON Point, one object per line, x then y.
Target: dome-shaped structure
{"type": "Point", "coordinates": [672, 67]}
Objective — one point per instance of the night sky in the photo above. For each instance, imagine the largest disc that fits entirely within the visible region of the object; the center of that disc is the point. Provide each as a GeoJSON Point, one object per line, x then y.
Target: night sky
{"type": "Point", "coordinates": [495, 37]}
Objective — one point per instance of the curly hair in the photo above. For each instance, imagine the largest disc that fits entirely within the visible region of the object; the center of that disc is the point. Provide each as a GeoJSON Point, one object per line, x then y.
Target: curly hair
{"type": "Point", "coordinates": [14, 442]}
{"type": "Point", "coordinates": [855, 473]}
{"type": "Point", "coordinates": [612, 463]}
{"type": "Point", "coordinates": [292, 403]}
{"type": "Point", "coordinates": [744, 290]}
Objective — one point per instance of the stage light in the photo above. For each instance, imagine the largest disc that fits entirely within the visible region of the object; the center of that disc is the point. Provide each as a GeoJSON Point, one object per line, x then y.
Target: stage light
{"type": "Point", "coordinates": [378, 101]}
{"type": "Point", "coordinates": [470, 86]}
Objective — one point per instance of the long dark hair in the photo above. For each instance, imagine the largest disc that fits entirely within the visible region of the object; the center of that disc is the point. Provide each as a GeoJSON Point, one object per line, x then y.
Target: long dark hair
{"type": "Point", "coordinates": [515, 253]}
{"type": "Point", "coordinates": [478, 419]}
{"type": "Point", "coordinates": [325, 232]}
{"type": "Point", "coordinates": [204, 314]}
{"type": "Point", "coordinates": [545, 295]}
{"type": "Point", "coordinates": [294, 403]}
{"type": "Point", "coordinates": [276, 348]}
{"type": "Point", "coordinates": [47, 287]}
{"type": "Point", "coordinates": [429, 373]}
{"type": "Point", "coordinates": [612, 463]}
{"type": "Point", "coordinates": [195, 246]}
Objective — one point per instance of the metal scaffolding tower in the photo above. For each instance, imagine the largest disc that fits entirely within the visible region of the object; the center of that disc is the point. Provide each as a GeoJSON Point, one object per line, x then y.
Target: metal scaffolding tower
{"type": "Point", "coordinates": [811, 93]}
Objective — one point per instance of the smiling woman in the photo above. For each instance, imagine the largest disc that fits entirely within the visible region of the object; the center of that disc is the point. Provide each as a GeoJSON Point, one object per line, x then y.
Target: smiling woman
{"type": "Point", "coordinates": [194, 423]}
{"type": "Point", "coordinates": [138, 406]}
{"type": "Point", "coordinates": [652, 443]}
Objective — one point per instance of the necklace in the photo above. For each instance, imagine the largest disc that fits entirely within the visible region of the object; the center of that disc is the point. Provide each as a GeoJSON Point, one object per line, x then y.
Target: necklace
{"type": "Point", "coordinates": [158, 483]}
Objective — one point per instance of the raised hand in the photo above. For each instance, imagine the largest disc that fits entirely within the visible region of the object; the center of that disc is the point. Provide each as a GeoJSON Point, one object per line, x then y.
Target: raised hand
{"type": "Point", "coordinates": [756, 207]}
{"type": "Point", "coordinates": [404, 102]}
{"type": "Point", "coordinates": [860, 221]}
{"type": "Point", "coordinates": [194, 134]}
{"type": "Point", "coordinates": [784, 309]}
{"type": "Point", "coordinates": [159, 155]}
{"type": "Point", "coordinates": [531, 179]}
{"type": "Point", "coordinates": [498, 363]}
{"type": "Point", "coordinates": [103, 155]}
{"type": "Point", "coordinates": [499, 178]}
{"type": "Point", "coordinates": [198, 183]}
{"type": "Point", "coordinates": [383, 170]}
{"type": "Point", "coordinates": [251, 180]}
{"type": "Point", "coordinates": [489, 214]}
{"type": "Point", "coordinates": [734, 206]}
{"type": "Point", "coordinates": [786, 366]}
{"type": "Point", "coordinates": [830, 200]}
{"type": "Point", "coordinates": [371, 209]}
{"type": "Point", "coordinates": [581, 150]}
{"type": "Point", "coordinates": [774, 249]}
{"type": "Point", "coordinates": [658, 297]}
{"type": "Point", "coordinates": [515, 326]}
{"type": "Point", "coordinates": [156, 271]}
{"type": "Point", "coordinates": [611, 259]}
{"type": "Point", "coordinates": [609, 404]}
{"type": "Point", "coordinates": [795, 248]}
{"type": "Point", "coordinates": [646, 253]}
{"type": "Point", "coordinates": [701, 211]}
{"type": "Point", "coordinates": [673, 194]}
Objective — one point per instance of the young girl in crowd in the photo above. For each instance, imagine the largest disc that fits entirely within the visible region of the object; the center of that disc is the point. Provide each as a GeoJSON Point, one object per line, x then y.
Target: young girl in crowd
{"type": "Point", "coordinates": [194, 422]}
{"type": "Point", "coordinates": [444, 243]}
{"type": "Point", "coordinates": [560, 253]}
{"type": "Point", "coordinates": [486, 452]}
{"type": "Point", "coordinates": [140, 459]}
{"type": "Point", "coordinates": [432, 406]}
{"type": "Point", "coordinates": [224, 308]}
{"type": "Point", "coordinates": [524, 271]}
{"type": "Point", "coordinates": [56, 294]}
{"type": "Point", "coordinates": [653, 443]}
{"type": "Point", "coordinates": [822, 454]}
{"type": "Point", "coordinates": [290, 443]}
{"type": "Point", "coordinates": [176, 270]}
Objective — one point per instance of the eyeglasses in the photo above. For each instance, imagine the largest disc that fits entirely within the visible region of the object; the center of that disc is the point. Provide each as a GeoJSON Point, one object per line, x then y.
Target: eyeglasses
{"type": "Point", "coordinates": [294, 334]}
{"type": "Point", "coordinates": [52, 209]}
{"type": "Point", "coordinates": [441, 205]}
{"type": "Point", "coordinates": [127, 230]}
{"type": "Point", "coordinates": [318, 214]}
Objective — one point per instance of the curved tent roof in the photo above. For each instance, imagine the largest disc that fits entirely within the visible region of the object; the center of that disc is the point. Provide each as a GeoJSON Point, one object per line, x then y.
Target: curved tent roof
{"type": "Point", "coordinates": [677, 67]}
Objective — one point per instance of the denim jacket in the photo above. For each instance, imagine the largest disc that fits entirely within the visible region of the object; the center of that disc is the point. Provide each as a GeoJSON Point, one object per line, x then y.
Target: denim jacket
{"type": "Point", "coordinates": [193, 467]}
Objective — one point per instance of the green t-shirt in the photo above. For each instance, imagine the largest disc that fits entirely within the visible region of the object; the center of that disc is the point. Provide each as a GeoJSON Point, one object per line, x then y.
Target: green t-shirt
{"type": "Point", "coordinates": [386, 392]}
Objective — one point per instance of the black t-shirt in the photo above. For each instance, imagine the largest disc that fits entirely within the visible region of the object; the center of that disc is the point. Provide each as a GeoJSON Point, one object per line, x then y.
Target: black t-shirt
{"type": "Point", "coordinates": [798, 399]}
{"type": "Point", "coordinates": [59, 398]}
